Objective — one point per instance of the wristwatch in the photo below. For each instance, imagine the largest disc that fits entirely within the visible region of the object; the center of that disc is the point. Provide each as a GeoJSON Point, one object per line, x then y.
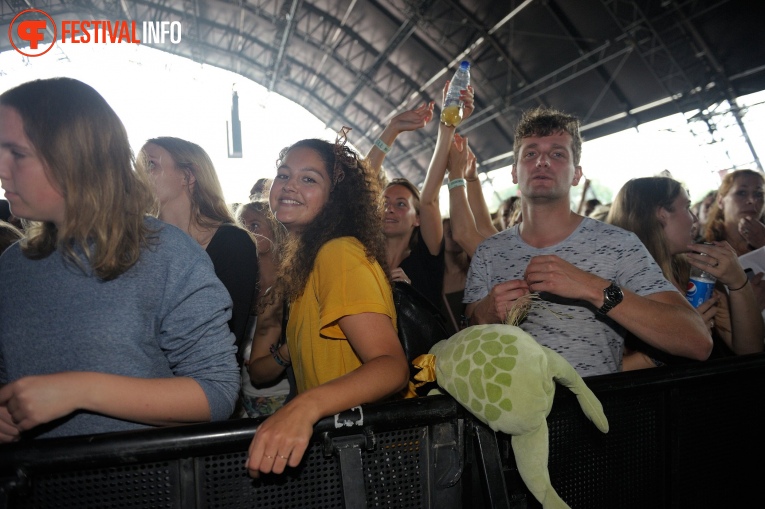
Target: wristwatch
{"type": "Point", "coordinates": [612, 296]}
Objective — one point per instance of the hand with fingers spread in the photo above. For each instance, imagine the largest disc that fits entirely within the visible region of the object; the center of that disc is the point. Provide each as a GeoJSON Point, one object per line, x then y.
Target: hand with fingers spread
{"type": "Point", "coordinates": [411, 120]}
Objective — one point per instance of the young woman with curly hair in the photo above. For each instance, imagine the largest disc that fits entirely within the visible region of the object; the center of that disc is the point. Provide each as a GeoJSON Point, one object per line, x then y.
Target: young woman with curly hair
{"type": "Point", "coordinates": [341, 335]}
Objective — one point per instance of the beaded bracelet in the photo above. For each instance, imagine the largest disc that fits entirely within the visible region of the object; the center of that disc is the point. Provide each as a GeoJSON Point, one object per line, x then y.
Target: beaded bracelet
{"type": "Point", "coordinates": [278, 358]}
{"type": "Point", "coordinates": [456, 183]}
{"type": "Point", "coordinates": [382, 146]}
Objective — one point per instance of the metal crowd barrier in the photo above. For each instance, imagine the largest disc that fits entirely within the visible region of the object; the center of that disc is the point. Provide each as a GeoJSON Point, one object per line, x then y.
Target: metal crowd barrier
{"type": "Point", "coordinates": [397, 455]}
{"type": "Point", "coordinates": [680, 437]}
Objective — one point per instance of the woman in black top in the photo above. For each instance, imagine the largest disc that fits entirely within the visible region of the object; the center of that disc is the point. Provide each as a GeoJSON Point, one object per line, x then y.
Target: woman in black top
{"type": "Point", "coordinates": [188, 195]}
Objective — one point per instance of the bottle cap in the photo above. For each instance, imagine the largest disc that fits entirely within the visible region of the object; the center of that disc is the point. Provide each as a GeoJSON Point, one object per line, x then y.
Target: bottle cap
{"type": "Point", "coordinates": [464, 64]}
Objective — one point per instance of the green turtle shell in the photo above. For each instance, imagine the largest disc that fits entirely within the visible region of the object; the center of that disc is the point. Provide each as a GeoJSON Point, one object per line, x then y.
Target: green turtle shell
{"type": "Point", "coordinates": [499, 373]}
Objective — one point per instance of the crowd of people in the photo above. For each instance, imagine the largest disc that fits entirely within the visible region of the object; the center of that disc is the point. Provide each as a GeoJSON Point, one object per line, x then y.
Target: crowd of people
{"type": "Point", "coordinates": [133, 295]}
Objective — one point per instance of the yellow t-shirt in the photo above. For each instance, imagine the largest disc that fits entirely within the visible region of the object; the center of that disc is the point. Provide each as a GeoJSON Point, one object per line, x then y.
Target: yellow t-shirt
{"type": "Point", "coordinates": [343, 282]}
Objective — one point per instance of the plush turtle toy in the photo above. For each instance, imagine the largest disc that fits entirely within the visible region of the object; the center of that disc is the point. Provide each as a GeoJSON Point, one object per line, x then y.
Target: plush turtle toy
{"type": "Point", "coordinates": [507, 380]}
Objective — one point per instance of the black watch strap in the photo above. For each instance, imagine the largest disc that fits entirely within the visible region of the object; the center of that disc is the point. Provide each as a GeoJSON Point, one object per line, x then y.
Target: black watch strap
{"type": "Point", "coordinates": [612, 295]}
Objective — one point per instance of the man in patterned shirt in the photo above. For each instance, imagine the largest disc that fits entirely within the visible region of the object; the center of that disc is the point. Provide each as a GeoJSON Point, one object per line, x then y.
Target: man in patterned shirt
{"type": "Point", "coordinates": [595, 281]}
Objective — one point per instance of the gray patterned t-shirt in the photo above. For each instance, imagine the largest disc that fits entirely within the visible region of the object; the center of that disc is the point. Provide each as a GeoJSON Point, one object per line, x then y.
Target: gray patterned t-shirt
{"type": "Point", "coordinates": [591, 342]}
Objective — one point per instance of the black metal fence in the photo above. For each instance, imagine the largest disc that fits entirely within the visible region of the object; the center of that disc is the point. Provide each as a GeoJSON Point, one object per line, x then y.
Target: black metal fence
{"type": "Point", "coordinates": [683, 437]}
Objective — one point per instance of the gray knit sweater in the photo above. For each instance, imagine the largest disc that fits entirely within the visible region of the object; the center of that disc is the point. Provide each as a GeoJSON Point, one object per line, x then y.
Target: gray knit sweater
{"type": "Point", "coordinates": [166, 316]}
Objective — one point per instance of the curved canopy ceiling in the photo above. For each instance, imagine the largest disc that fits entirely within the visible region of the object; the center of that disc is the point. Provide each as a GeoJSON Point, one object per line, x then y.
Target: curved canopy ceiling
{"type": "Point", "coordinates": [613, 63]}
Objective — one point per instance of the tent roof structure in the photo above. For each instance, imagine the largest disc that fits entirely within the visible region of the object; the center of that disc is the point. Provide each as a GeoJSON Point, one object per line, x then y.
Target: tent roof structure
{"type": "Point", "coordinates": [613, 63]}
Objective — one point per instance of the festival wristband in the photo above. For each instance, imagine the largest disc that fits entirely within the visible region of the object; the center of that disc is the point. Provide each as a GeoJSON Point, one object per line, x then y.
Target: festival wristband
{"type": "Point", "coordinates": [456, 183]}
{"type": "Point", "coordinates": [382, 146]}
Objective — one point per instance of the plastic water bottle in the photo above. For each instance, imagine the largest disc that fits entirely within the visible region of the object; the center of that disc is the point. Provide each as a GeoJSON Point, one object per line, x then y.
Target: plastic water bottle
{"type": "Point", "coordinates": [451, 113]}
{"type": "Point", "coordinates": [700, 287]}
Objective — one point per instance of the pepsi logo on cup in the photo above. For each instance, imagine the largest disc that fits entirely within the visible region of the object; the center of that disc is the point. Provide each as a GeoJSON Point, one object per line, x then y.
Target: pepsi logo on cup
{"type": "Point", "coordinates": [699, 291]}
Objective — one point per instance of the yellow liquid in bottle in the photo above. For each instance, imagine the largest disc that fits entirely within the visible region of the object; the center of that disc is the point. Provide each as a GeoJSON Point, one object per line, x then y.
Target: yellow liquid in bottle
{"type": "Point", "coordinates": [451, 115]}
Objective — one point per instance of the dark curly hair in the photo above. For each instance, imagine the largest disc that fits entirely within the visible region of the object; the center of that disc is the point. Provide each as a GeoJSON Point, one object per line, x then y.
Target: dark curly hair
{"type": "Point", "coordinates": [352, 210]}
{"type": "Point", "coordinates": [547, 122]}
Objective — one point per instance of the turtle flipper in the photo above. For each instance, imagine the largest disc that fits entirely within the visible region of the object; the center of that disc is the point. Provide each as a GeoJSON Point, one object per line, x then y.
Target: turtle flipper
{"type": "Point", "coordinates": [531, 452]}
{"type": "Point", "coordinates": [565, 374]}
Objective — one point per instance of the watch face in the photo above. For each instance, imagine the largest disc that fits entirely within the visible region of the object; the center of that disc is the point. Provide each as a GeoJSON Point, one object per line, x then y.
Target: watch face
{"type": "Point", "coordinates": [613, 294]}
{"type": "Point", "coordinates": [611, 297]}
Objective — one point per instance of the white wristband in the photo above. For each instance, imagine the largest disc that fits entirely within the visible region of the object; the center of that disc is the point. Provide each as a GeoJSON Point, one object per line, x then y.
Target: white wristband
{"type": "Point", "coordinates": [456, 183]}
{"type": "Point", "coordinates": [382, 146]}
